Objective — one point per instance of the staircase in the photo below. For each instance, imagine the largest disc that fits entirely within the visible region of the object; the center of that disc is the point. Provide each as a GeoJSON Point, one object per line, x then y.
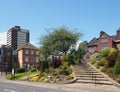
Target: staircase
{"type": "Point", "coordinates": [85, 74]}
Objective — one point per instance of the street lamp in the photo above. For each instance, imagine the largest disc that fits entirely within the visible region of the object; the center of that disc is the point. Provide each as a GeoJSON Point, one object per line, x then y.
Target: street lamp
{"type": "Point", "coordinates": [28, 70]}
{"type": "Point", "coordinates": [14, 53]}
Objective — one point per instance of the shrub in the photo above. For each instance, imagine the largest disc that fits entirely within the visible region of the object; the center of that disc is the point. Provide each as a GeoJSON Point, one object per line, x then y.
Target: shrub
{"type": "Point", "coordinates": [106, 52]}
{"type": "Point", "coordinates": [71, 75]}
{"type": "Point", "coordinates": [97, 64]}
{"type": "Point", "coordinates": [103, 69]}
{"type": "Point", "coordinates": [109, 70]}
{"type": "Point", "coordinates": [77, 61]}
{"type": "Point", "coordinates": [33, 69]}
{"type": "Point", "coordinates": [65, 70]}
{"type": "Point", "coordinates": [118, 79]}
{"type": "Point", "coordinates": [20, 70]}
{"type": "Point", "coordinates": [42, 79]}
{"type": "Point", "coordinates": [35, 78]}
{"type": "Point", "coordinates": [112, 58]}
{"type": "Point", "coordinates": [103, 62]}
{"type": "Point", "coordinates": [116, 69]}
{"type": "Point", "coordinates": [93, 61]}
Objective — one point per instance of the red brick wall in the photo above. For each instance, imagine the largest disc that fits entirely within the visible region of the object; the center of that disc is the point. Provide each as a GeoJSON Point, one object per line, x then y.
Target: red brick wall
{"type": "Point", "coordinates": [31, 58]}
{"type": "Point", "coordinates": [109, 42]}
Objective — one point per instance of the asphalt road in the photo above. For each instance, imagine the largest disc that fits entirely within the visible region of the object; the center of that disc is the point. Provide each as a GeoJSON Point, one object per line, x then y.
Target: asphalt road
{"type": "Point", "coordinates": [24, 86]}
{"type": "Point", "coordinates": [21, 86]}
{"type": "Point", "coordinates": [13, 87]}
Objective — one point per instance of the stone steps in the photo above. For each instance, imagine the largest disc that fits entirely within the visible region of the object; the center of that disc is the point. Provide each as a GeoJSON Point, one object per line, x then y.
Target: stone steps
{"type": "Point", "coordinates": [89, 75]}
{"type": "Point", "coordinates": [94, 82]}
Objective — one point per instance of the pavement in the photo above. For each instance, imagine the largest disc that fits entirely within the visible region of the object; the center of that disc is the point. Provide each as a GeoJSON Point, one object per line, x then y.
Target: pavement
{"type": "Point", "coordinates": [73, 87]}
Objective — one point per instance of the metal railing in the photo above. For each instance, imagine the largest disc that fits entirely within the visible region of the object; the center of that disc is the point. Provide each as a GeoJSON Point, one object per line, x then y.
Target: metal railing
{"type": "Point", "coordinates": [92, 75]}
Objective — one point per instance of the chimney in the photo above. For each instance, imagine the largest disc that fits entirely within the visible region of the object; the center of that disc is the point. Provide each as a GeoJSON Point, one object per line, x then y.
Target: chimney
{"type": "Point", "coordinates": [118, 34]}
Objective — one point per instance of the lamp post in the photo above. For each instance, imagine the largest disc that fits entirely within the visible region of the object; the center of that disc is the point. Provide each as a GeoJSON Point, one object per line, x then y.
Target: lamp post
{"type": "Point", "coordinates": [28, 66]}
{"type": "Point", "coordinates": [14, 53]}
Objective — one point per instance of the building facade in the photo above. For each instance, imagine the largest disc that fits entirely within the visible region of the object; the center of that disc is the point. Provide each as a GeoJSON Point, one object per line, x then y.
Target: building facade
{"type": "Point", "coordinates": [28, 54]}
{"type": "Point", "coordinates": [5, 58]}
{"type": "Point", "coordinates": [102, 42]}
{"type": "Point", "coordinates": [16, 37]}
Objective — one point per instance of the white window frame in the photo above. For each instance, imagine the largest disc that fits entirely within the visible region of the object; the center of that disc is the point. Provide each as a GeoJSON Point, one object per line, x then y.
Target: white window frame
{"type": "Point", "coordinates": [37, 60]}
{"type": "Point", "coordinates": [26, 52]}
{"type": "Point", "coordinates": [26, 59]}
{"type": "Point", "coordinates": [104, 40]}
{"type": "Point", "coordinates": [32, 52]}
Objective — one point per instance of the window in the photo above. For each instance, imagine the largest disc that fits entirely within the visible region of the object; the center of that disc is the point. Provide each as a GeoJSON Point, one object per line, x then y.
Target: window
{"type": "Point", "coordinates": [92, 49]}
{"type": "Point", "coordinates": [32, 52]}
{"type": "Point", "coordinates": [37, 53]}
{"type": "Point", "coordinates": [37, 60]}
{"type": "Point", "coordinates": [26, 59]}
{"type": "Point", "coordinates": [104, 40]}
{"type": "Point", "coordinates": [26, 52]}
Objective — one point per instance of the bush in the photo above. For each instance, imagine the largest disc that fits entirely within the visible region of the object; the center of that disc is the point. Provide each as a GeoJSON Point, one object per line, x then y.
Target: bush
{"type": "Point", "coordinates": [20, 70]}
{"type": "Point", "coordinates": [109, 70]}
{"type": "Point", "coordinates": [112, 58]}
{"type": "Point", "coordinates": [103, 69]}
{"type": "Point", "coordinates": [71, 75]}
{"type": "Point", "coordinates": [42, 79]}
{"type": "Point", "coordinates": [103, 62]}
{"type": "Point", "coordinates": [93, 61]}
{"type": "Point", "coordinates": [33, 69]}
{"type": "Point", "coordinates": [97, 64]}
{"type": "Point", "coordinates": [116, 69]}
{"type": "Point", "coordinates": [35, 78]}
{"type": "Point", "coordinates": [65, 70]}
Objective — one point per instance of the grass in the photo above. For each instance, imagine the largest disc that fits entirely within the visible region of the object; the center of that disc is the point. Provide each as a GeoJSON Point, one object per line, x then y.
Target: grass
{"type": "Point", "coordinates": [20, 76]}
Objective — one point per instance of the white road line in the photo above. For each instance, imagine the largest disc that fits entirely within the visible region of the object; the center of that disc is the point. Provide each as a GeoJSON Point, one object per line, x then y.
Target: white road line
{"type": "Point", "coordinates": [7, 90]}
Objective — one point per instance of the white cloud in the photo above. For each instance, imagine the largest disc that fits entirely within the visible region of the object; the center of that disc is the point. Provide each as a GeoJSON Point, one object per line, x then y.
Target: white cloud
{"type": "Point", "coordinates": [3, 38]}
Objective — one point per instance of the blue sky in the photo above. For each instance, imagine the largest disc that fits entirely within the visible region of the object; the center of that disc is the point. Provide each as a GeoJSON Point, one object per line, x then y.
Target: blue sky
{"type": "Point", "coordinates": [88, 16]}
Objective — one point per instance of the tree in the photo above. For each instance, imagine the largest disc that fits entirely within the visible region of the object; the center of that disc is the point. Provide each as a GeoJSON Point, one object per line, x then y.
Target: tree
{"type": "Point", "coordinates": [58, 39]}
{"type": "Point", "coordinates": [82, 49]}
{"type": "Point", "coordinates": [75, 56]}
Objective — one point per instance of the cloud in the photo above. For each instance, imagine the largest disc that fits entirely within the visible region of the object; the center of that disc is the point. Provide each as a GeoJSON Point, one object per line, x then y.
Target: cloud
{"type": "Point", "coordinates": [3, 38]}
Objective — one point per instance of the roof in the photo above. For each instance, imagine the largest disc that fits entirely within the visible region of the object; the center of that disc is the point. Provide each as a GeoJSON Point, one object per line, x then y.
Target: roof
{"type": "Point", "coordinates": [27, 45]}
{"type": "Point", "coordinates": [93, 42]}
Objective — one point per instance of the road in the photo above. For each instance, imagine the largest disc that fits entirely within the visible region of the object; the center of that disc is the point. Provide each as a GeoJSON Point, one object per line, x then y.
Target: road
{"type": "Point", "coordinates": [22, 86]}
{"type": "Point", "coordinates": [25, 86]}
{"type": "Point", "coordinates": [13, 87]}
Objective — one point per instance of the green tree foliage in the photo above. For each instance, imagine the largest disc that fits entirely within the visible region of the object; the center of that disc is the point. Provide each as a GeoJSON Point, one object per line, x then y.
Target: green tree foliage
{"type": "Point", "coordinates": [75, 56]}
{"type": "Point", "coordinates": [58, 39]}
{"type": "Point", "coordinates": [72, 56]}
{"type": "Point", "coordinates": [82, 49]}
{"type": "Point", "coordinates": [116, 69]}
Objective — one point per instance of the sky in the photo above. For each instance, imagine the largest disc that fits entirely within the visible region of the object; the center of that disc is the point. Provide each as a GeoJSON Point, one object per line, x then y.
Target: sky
{"type": "Point", "coordinates": [87, 16]}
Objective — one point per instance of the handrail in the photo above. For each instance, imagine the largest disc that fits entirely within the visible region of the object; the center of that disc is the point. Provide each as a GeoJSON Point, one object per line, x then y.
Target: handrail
{"type": "Point", "coordinates": [94, 76]}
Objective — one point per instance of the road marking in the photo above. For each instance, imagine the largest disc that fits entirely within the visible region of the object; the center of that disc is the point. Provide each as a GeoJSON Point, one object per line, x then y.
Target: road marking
{"type": "Point", "coordinates": [7, 90]}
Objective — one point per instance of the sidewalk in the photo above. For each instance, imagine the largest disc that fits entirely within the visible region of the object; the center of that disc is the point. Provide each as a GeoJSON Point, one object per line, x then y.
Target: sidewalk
{"type": "Point", "coordinates": [2, 76]}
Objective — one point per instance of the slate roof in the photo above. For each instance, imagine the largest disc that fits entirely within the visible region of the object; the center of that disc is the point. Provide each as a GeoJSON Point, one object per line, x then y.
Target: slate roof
{"type": "Point", "coordinates": [93, 42]}
{"type": "Point", "coordinates": [27, 45]}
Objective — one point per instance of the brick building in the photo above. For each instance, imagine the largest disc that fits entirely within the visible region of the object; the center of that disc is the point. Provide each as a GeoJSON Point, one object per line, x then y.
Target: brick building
{"type": "Point", "coordinates": [102, 42]}
{"type": "Point", "coordinates": [28, 54]}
